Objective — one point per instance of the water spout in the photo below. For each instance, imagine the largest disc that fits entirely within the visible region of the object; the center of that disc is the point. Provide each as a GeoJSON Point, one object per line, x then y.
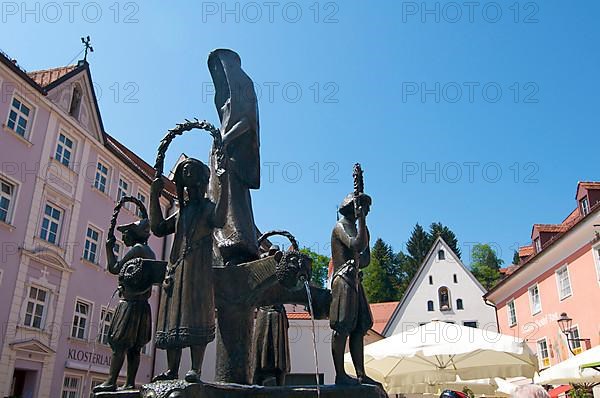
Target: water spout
{"type": "Point", "coordinates": [312, 319]}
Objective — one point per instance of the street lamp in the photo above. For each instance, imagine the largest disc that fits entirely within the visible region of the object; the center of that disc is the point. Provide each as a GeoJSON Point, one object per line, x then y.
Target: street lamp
{"type": "Point", "coordinates": [564, 322]}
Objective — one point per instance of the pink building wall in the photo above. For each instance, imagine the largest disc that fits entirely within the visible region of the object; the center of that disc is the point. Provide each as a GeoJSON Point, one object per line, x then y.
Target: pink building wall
{"type": "Point", "coordinates": [577, 249]}
{"type": "Point", "coordinates": [579, 306]}
{"type": "Point", "coordinates": [46, 355]}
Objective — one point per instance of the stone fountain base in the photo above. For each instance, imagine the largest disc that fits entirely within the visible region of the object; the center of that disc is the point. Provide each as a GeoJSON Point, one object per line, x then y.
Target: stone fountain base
{"type": "Point", "coordinates": [181, 389]}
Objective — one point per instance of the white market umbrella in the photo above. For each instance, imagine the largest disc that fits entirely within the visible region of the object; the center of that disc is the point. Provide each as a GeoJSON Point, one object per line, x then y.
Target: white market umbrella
{"type": "Point", "coordinates": [573, 370]}
{"type": "Point", "coordinates": [438, 352]}
{"type": "Point", "coordinates": [478, 387]}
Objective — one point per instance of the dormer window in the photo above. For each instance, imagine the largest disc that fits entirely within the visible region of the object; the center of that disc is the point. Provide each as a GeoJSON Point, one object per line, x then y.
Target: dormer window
{"type": "Point", "coordinates": [75, 101]}
{"type": "Point", "coordinates": [441, 255]}
{"type": "Point", "coordinates": [538, 245]}
{"type": "Point", "coordinates": [585, 206]}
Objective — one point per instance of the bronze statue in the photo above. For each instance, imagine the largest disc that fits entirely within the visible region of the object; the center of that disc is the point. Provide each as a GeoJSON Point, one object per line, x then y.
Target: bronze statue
{"type": "Point", "coordinates": [131, 327]}
{"type": "Point", "coordinates": [237, 107]}
{"type": "Point", "coordinates": [350, 314]}
{"type": "Point", "coordinates": [271, 349]}
{"type": "Point", "coordinates": [186, 315]}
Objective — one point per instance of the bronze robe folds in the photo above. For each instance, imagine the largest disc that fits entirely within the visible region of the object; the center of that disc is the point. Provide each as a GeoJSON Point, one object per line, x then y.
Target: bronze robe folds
{"type": "Point", "coordinates": [186, 315]}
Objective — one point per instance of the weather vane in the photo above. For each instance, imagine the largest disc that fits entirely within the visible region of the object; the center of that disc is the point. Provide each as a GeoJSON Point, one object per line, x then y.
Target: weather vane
{"type": "Point", "coordinates": [88, 46]}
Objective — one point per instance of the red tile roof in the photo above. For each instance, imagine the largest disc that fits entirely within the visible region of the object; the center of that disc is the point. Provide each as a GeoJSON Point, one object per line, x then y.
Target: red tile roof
{"type": "Point", "coordinates": [298, 315]}
{"type": "Point", "coordinates": [382, 312]}
{"type": "Point", "coordinates": [48, 76]}
{"type": "Point", "coordinates": [550, 227]}
{"type": "Point", "coordinates": [136, 163]}
{"type": "Point", "coordinates": [574, 215]}
{"type": "Point", "coordinates": [506, 271]}
{"type": "Point", "coordinates": [525, 251]}
{"type": "Point", "coordinates": [589, 184]}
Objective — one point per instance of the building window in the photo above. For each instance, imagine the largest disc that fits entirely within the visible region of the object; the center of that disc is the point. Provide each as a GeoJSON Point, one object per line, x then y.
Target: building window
{"type": "Point", "coordinates": [538, 245]}
{"type": "Point", "coordinates": [430, 305]}
{"type": "Point", "coordinates": [80, 320]}
{"type": "Point", "coordinates": [142, 198]}
{"type": "Point", "coordinates": [597, 260]}
{"type": "Point", "coordinates": [455, 278]}
{"type": "Point", "coordinates": [444, 297]}
{"type": "Point", "coordinates": [117, 250]}
{"type": "Point", "coordinates": [512, 313]}
{"type": "Point", "coordinates": [101, 177]}
{"type": "Point", "coordinates": [64, 150]}
{"type": "Point", "coordinates": [564, 283]}
{"type": "Point", "coordinates": [106, 317]}
{"type": "Point", "coordinates": [459, 304]}
{"type": "Point", "coordinates": [123, 189]}
{"type": "Point", "coordinates": [7, 198]}
{"type": "Point", "coordinates": [585, 205]}
{"type": "Point", "coordinates": [71, 387]}
{"type": "Point", "coordinates": [534, 299]}
{"type": "Point", "coordinates": [92, 239]}
{"type": "Point", "coordinates": [575, 342]}
{"type": "Point", "coordinates": [51, 224]}
{"type": "Point", "coordinates": [441, 255]}
{"type": "Point", "coordinates": [430, 280]}
{"type": "Point", "coordinates": [543, 356]}
{"type": "Point", "coordinates": [470, 324]}
{"type": "Point", "coordinates": [35, 311]}
{"type": "Point", "coordinates": [75, 101]}
{"type": "Point", "coordinates": [18, 117]}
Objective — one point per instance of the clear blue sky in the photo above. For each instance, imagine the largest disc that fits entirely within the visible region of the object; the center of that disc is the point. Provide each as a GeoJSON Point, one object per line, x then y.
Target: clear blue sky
{"type": "Point", "coordinates": [362, 68]}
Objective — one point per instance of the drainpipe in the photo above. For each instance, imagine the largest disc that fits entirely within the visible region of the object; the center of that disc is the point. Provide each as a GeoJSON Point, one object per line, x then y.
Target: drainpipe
{"type": "Point", "coordinates": [163, 256]}
{"type": "Point", "coordinates": [490, 304]}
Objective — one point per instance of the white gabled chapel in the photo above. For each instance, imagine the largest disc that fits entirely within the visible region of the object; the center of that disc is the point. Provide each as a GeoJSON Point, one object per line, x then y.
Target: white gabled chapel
{"type": "Point", "coordinates": [443, 289]}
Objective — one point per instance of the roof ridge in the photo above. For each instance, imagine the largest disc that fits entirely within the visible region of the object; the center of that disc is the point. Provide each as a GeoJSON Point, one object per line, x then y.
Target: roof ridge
{"type": "Point", "coordinates": [53, 69]}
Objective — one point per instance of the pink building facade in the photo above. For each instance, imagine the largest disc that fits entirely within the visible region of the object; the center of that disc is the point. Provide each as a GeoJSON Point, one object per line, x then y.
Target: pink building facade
{"type": "Point", "coordinates": [558, 273]}
{"type": "Point", "coordinates": [60, 177]}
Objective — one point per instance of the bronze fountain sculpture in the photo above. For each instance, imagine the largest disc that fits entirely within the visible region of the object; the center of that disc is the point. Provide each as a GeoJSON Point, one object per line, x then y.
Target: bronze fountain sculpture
{"type": "Point", "coordinates": [216, 264]}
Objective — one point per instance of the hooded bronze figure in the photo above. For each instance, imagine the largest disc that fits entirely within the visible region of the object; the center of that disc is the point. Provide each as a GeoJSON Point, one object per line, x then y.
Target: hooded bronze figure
{"type": "Point", "coordinates": [237, 106]}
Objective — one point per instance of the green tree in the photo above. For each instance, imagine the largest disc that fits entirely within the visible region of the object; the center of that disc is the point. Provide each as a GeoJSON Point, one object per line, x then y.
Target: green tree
{"type": "Point", "coordinates": [485, 265]}
{"type": "Point", "coordinates": [516, 259]}
{"type": "Point", "coordinates": [438, 229]}
{"type": "Point", "coordinates": [418, 244]}
{"type": "Point", "coordinates": [320, 265]}
{"type": "Point", "coordinates": [379, 279]}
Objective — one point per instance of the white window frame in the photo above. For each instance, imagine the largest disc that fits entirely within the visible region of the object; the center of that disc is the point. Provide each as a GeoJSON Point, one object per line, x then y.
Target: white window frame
{"type": "Point", "coordinates": [585, 205]}
{"type": "Point", "coordinates": [19, 114]}
{"type": "Point", "coordinates": [52, 219]}
{"type": "Point", "coordinates": [98, 174]}
{"type": "Point", "coordinates": [576, 344]}
{"type": "Point", "coordinates": [12, 199]}
{"type": "Point", "coordinates": [140, 194]}
{"type": "Point", "coordinates": [120, 192]}
{"type": "Point", "coordinates": [60, 156]}
{"type": "Point", "coordinates": [596, 255]}
{"type": "Point", "coordinates": [531, 301]}
{"type": "Point", "coordinates": [36, 302]}
{"type": "Point", "coordinates": [509, 313]}
{"type": "Point", "coordinates": [537, 242]}
{"type": "Point", "coordinates": [76, 327]}
{"type": "Point", "coordinates": [88, 244]}
{"type": "Point", "coordinates": [104, 325]}
{"type": "Point", "coordinates": [544, 362]}
{"type": "Point", "coordinates": [71, 392]}
{"type": "Point", "coordinates": [558, 285]}
{"type": "Point", "coordinates": [119, 246]}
